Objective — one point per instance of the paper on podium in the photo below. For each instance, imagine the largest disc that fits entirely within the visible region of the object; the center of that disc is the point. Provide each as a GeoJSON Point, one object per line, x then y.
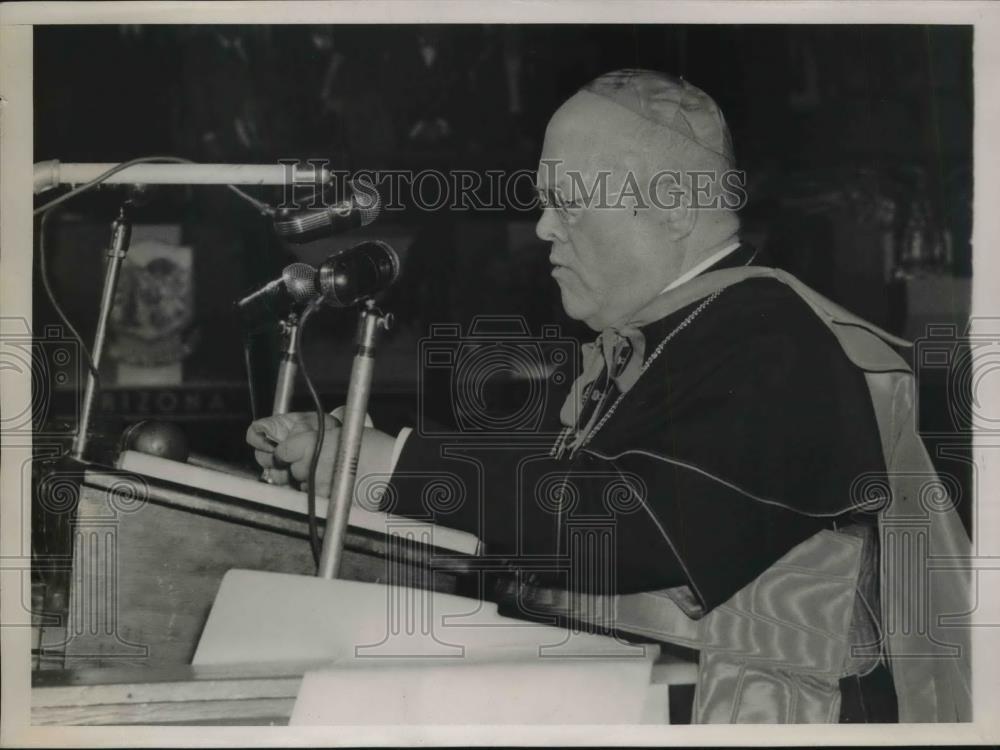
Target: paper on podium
{"type": "Point", "coordinates": [278, 617]}
{"type": "Point", "coordinates": [386, 654]}
{"type": "Point", "coordinates": [526, 691]}
{"type": "Point", "coordinates": [283, 498]}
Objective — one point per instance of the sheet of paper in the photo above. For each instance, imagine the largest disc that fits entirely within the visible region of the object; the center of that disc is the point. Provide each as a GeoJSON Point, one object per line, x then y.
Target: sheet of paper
{"type": "Point", "coordinates": [261, 616]}
{"type": "Point", "coordinates": [528, 691]}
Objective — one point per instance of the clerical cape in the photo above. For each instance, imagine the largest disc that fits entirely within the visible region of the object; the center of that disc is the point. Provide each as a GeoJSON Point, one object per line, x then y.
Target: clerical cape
{"type": "Point", "coordinates": [759, 494]}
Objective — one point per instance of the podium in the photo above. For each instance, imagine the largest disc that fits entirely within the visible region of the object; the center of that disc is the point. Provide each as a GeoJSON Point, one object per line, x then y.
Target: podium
{"type": "Point", "coordinates": [150, 550]}
{"type": "Point", "coordinates": [193, 601]}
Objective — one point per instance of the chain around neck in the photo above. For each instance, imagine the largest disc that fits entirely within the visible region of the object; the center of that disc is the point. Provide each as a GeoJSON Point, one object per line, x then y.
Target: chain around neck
{"type": "Point", "coordinates": [562, 442]}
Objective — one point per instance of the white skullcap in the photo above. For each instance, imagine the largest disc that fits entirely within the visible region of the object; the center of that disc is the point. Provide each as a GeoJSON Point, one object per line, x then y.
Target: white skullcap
{"type": "Point", "coordinates": [670, 103]}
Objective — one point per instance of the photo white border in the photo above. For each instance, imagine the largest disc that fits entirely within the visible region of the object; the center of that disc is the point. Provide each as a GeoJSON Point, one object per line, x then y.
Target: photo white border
{"type": "Point", "coordinates": [16, 138]}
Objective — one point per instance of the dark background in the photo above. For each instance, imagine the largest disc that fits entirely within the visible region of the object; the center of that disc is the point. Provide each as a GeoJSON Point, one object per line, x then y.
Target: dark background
{"type": "Point", "coordinates": [856, 140]}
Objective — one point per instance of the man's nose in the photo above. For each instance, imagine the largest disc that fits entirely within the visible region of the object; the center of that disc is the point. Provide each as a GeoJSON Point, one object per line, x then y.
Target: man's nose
{"type": "Point", "coordinates": [549, 228]}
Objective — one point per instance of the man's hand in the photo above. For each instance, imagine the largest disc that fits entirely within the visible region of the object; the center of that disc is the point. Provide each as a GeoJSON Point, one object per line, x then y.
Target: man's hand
{"type": "Point", "coordinates": [264, 435]}
{"type": "Point", "coordinates": [284, 445]}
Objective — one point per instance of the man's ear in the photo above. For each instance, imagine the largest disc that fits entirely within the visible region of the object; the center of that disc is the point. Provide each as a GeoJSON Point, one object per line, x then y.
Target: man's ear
{"type": "Point", "coordinates": [670, 194]}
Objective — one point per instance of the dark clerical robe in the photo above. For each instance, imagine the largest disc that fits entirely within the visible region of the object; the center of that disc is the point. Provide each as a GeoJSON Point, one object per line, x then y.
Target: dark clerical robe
{"type": "Point", "coordinates": [742, 439]}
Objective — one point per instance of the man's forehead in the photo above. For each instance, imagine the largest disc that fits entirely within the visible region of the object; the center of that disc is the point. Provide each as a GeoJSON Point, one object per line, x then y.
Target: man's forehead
{"type": "Point", "coordinates": [576, 129]}
{"type": "Point", "coordinates": [564, 148]}
{"type": "Point", "coordinates": [554, 173]}
{"type": "Point", "coordinates": [564, 164]}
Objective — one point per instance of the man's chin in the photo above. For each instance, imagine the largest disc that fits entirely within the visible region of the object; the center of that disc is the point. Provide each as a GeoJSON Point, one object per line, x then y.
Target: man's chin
{"type": "Point", "coordinates": [578, 309]}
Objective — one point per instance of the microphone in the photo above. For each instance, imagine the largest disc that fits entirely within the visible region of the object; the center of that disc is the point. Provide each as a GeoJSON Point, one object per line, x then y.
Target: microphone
{"type": "Point", "coordinates": [359, 272]}
{"type": "Point", "coordinates": [303, 225]}
{"type": "Point", "coordinates": [49, 174]}
{"type": "Point", "coordinates": [296, 287]}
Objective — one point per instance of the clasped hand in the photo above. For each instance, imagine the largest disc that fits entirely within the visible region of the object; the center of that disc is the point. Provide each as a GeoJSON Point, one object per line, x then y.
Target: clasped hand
{"type": "Point", "coordinates": [285, 443]}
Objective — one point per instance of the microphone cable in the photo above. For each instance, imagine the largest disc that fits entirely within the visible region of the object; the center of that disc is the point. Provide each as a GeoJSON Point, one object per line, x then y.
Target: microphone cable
{"type": "Point", "coordinates": [251, 383]}
{"type": "Point", "coordinates": [314, 539]}
{"type": "Point", "coordinates": [43, 269]}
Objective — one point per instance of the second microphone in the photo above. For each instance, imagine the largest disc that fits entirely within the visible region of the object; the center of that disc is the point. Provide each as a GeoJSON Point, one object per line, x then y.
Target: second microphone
{"type": "Point", "coordinates": [344, 279]}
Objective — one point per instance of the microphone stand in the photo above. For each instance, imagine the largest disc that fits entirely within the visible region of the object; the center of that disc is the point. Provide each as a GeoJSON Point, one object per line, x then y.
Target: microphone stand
{"type": "Point", "coordinates": [288, 367]}
{"type": "Point", "coordinates": [370, 321]}
{"type": "Point", "coordinates": [121, 234]}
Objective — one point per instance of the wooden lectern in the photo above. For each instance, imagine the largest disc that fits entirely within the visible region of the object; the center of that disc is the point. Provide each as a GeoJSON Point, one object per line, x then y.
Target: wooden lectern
{"type": "Point", "coordinates": [153, 539]}
{"type": "Point", "coordinates": [194, 601]}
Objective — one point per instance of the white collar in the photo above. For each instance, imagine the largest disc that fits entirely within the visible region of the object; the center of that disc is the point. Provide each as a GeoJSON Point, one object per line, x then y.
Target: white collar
{"type": "Point", "coordinates": [710, 261]}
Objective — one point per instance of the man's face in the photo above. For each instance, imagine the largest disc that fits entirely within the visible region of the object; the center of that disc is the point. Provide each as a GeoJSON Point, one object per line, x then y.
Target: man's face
{"type": "Point", "coordinates": [609, 260]}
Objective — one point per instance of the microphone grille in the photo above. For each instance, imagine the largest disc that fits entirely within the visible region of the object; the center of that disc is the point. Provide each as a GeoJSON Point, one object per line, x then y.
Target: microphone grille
{"type": "Point", "coordinates": [300, 281]}
{"type": "Point", "coordinates": [368, 201]}
{"type": "Point", "coordinates": [393, 259]}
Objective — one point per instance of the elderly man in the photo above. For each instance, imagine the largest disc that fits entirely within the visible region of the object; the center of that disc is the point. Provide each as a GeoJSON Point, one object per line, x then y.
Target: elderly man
{"type": "Point", "coordinates": [718, 431]}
